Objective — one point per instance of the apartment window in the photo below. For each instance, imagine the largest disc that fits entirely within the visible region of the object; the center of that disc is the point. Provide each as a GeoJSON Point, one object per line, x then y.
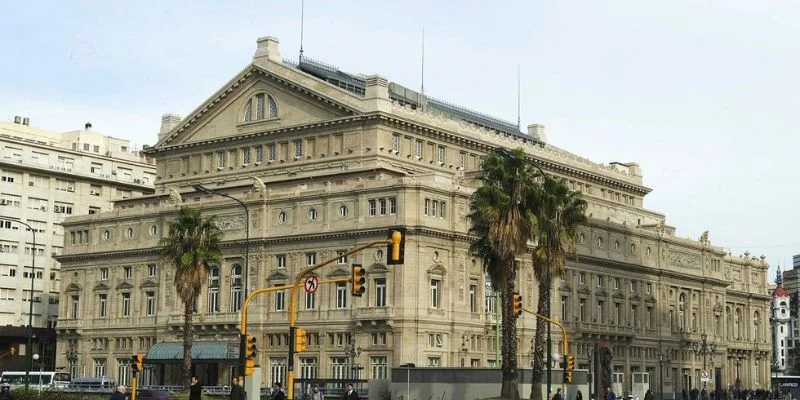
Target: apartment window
{"type": "Point", "coordinates": [382, 203]}
{"type": "Point", "coordinates": [601, 281]}
{"type": "Point", "coordinates": [341, 295]}
{"type": "Point", "coordinates": [246, 156]}
{"type": "Point", "coordinates": [380, 292]}
{"type": "Point", "coordinates": [311, 259]}
{"type": "Point", "coordinates": [128, 272]}
{"type": "Point", "coordinates": [634, 315]}
{"type": "Point", "coordinates": [151, 303]}
{"type": "Point", "coordinates": [280, 300]}
{"type": "Point", "coordinates": [104, 274]}
{"type": "Point", "coordinates": [298, 149]}
{"type": "Point", "coordinates": [281, 260]}
{"type": "Point", "coordinates": [616, 283]}
{"type": "Point", "coordinates": [75, 307]}
{"type": "Point", "coordinates": [435, 293]}
{"type": "Point", "coordinates": [462, 157]}
{"type": "Point", "coordinates": [277, 369]}
{"type": "Point", "coordinates": [564, 307]}
{"type": "Point", "coordinates": [649, 317]}
{"type": "Point", "coordinates": [380, 367]}
{"type": "Point", "coordinates": [100, 366]}
{"type": "Point", "coordinates": [582, 278]}
{"type": "Point", "coordinates": [313, 214]}
{"type": "Point", "coordinates": [434, 362]}
{"type": "Point", "coordinates": [259, 154]}
{"type": "Point", "coordinates": [372, 207]}
{"type": "Point", "coordinates": [392, 205]}
{"type": "Point", "coordinates": [426, 207]}
{"type": "Point", "coordinates": [213, 290]}
{"type": "Point", "coordinates": [308, 367]}
{"type": "Point", "coordinates": [271, 152]}
{"type": "Point", "coordinates": [342, 211]}
{"type": "Point", "coordinates": [648, 287]}
{"type": "Point", "coordinates": [102, 305]}
{"type": "Point", "coordinates": [633, 286]}
{"type": "Point", "coordinates": [600, 306]}
{"type": "Point", "coordinates": [311, 301]}
{"type": "Point", "coordinates": [236, 288]}
{"type": "Point", "coordinates": [342, 257]}
{"type": "Point", "coordinates": [126, 304]}
{"type": "Point", "coordinates": [616, 318]}
{"type": "Point", "coordinates": [440, 155]}
{"type": "Point", "coordinates": [418, 149]}
{"type": "Point", "coordinates": [435, 340]}
{"type": "Point", "coordinates": [395, 143]}
{"type": "Point", "coordinates": [86, 146]}
{"type": "Point", "coordinates": [62, 208]}
{"type": "Point", "coordinates": [473, 297]}
{"type": "Point", "coordinates": [151, 270]}
{"type": "Point", "coordinates": [339, 367]}
{"type": "Point", "coordinates": [582, 310]}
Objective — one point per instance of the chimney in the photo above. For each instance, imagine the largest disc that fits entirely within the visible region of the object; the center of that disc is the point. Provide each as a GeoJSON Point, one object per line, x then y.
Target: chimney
{"type": "Point", "coordinates": [17, 119]}
{"type": "Point", "coordinates": [377, 87]}
{"type": "Point", "coordinates": [267, 49]}
{"type": "Point", "coordinates": [87, 126]}
{"type": "Point", "coordinates": [168, 123]}
{"type": "Point", "coordinates": [537, 132]}
{"type": "Point", "coordinates": [26, 121]}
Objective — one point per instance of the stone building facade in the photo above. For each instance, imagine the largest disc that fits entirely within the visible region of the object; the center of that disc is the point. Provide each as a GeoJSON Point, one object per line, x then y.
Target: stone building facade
{"type": "Point", "coordinates": [326, 161]}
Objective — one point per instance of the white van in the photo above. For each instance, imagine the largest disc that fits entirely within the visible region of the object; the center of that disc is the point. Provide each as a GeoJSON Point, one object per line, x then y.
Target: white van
{"type": "Point", "coordinates": [93, 383]}
{"type": "Point", "coordinates": [37, 379]}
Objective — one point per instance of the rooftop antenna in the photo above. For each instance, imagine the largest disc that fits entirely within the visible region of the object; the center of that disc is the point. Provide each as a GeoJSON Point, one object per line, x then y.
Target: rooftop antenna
{"type": "Point", "coordinates": [302, 12]}
{"type": "Point", "coordinates": [422, 75]}
{"type": "Point", "coordinates": [519, 101]}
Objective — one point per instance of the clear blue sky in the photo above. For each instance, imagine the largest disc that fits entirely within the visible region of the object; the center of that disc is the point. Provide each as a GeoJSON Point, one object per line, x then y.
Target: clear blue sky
{"type": "Point", "coordinates": [701, 94]}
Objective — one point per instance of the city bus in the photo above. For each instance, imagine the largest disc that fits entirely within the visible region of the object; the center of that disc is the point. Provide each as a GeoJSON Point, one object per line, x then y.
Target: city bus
{"type": "Point", "coordinates": [38, 379]}
{"type": "Point", "coordinates": [786, 384]}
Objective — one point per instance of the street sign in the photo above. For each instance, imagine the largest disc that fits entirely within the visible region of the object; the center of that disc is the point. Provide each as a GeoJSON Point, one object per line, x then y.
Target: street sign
{"type": "Point", "coordinates": [312, 283]}
{"type": "Point", "coordinates": [233, 351]}
{"type": "Point", "coordinates": [704, 377]}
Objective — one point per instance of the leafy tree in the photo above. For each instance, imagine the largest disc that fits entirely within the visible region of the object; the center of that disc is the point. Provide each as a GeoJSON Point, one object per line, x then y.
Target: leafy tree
{"type": "Point", "coordinates": [192, 246]}
{"type": "Point", "coordinates": [559, 211]}
{"type": "Point", "coordinates": [502, 218]}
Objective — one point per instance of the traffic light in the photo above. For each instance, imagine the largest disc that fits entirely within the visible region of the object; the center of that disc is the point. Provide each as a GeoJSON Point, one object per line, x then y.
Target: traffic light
{"type": "Point", "coordinates": [517, 308]}
{"type": "Point", "coordinates": [250, 353]}
{"type": "Point", "coordinates": [299, 340]}
{"type": "Point", "coordinates": [358, 280]}
{"type": "Point", "coordinates": [136, 363]}
{"type": "Point", "coordinates": [395, 249]}
{"type": "Point", "coordinates": [569, 365]}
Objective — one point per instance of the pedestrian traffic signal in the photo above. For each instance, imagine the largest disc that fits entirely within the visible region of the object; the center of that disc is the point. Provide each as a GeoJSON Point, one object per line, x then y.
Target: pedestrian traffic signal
{"type": "Point", "coordinates": [136, 362]}
{"type": "Point", "coordinates": [396, 246]}
{"type": "Point", "coordinates": [358, 280]}
{"type": "Point", "coordinates": [569, 366]}
{"type": "Point", "coordinates": [250, 350]}
{"type": "Point", "coordinates": [299, 340]}
{"type": "Point", "coordinates": [517, 307]}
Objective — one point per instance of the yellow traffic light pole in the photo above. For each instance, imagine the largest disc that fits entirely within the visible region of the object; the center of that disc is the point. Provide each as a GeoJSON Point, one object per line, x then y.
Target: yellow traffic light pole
{"type": "Point", "coordinates": [394, 240]}
{"type": "Point", "coordinates": [563, 332]}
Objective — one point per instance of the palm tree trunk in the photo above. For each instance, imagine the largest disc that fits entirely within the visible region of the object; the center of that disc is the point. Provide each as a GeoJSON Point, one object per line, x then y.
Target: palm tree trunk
{"type": "Point", "coordinates": [542, 308]}
{"type": "Point", "coordinates": [188, 335]}
{"type": "Point", "coordinates": [509, 389]}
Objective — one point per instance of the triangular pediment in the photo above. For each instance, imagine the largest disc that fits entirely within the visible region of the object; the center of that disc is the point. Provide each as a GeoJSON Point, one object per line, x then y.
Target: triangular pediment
{"type": "Point", "coordinates": [377, 269]}
{"type": "Point", "coordinates": [149, 283]}
{"type": "Point", "coordinates": [73, 287]}
{"type": "Point", "coordinates": [437, 269]}
{"type": "Point", "coordinates": [277, 276]}
{"type": "Point", "coordinates": [124, 286]}
{"type": "Point", "coordinates": [650, 299]}
{"type": "Point", "coordinates": [101, 286]}
{"type": "Point", "coordinates": [601, 293]}
{"type": "Point", "coordinates": [338, 271]}
{"type": "Point", "coordinates": [618, 295]}
{"type": "Point", "coordinates": [582, 289]}
{"type": "Point", "coordinates": [285, 103]}
{"type": "Point", "coordinates": [634, 297]}
{"type": "Point", "coordinates": [565, 287]}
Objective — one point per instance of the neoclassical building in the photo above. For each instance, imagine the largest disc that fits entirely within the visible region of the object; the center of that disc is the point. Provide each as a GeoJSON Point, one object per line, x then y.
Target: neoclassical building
{"type": "Point", "coordinates": [326, 161]}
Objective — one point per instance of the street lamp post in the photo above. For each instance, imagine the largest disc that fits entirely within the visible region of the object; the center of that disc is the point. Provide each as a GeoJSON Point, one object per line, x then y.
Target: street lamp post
{"type": "Point", "coordinates": [590, 356]}
{"type": "Point", "coordinates": [704, 349]}
{"type": "Point", "coordinates": [663, 359]}
{"type": "Point", "coordinates": [28, 355]}
{"type": "Point", "coordinates": [352, 351]}
{"type": "Point", "coordinates": [36, 358]}
{"type": "Point", "coordinates": [738, 362]}
{"type": "Point", "coordinates": [72, 357]}
{"type": "Point", "coordinates": [205, 190]}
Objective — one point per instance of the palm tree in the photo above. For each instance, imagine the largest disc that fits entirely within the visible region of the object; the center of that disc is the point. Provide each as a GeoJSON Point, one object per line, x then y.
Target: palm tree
{"type": "Point", "coordinates": [192, 246]}
{"type": "Point", "coordinates": [502, 218]}
{"type": "Point", "coordinates": [559, 211]}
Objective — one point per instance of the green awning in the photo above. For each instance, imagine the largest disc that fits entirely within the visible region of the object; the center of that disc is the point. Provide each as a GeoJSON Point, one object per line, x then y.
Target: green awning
{"type": "Point", "coordinates": [201, 351]}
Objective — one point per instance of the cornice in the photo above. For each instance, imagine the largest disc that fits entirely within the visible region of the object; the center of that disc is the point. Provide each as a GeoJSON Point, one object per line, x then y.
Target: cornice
{"type": "Point", "coordinates": [625, 266]}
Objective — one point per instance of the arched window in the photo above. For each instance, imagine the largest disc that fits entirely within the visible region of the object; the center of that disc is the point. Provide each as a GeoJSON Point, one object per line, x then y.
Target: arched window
{"type": "Point", "coordinates": [213, 290]}
{"type": "Point", "coordinates": [737, 325]}
{"type": "Point", "coordinates": [681, 311]}
{"type": "Point", "coordinates": [236, 288]}
{"type": "Point", "coordinates": [729, 322]}
{"type": "Point", "coordinates": [756, 321]}
{"type": "Point", "coordinates": [261, 106]}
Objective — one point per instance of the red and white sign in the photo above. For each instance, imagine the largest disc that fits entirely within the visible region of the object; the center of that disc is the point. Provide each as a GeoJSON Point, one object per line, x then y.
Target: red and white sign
{"type": "Point", "coordinates": [704, 377]}
{"type": "Point", "coordinates": [312, 283]}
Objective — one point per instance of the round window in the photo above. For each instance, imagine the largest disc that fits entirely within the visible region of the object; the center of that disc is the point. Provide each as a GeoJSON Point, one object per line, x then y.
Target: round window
{"type": "Point", "coordinates": [633, 248]}
{"type": "Point", "coordinates": [106, 234]}
{"type": "Point", "coordinates": [616, 245]}
{"type": "Point", "coordinates": [379, 255]}
{"type": "Point", "coordinates": [599, 241]}
{"type": "Point", "coordinates": [129, 233]}
{"type": "Point", "coordinates": [282, 217]}
{"type": "Point", "coordinates": [342, 211]}
{"type": "Point", "coordinates": [153, 230]}
{"type": "Point", "coordinates": [647, 252]}
{"type": "Point", "coordinates": [312, 214]}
